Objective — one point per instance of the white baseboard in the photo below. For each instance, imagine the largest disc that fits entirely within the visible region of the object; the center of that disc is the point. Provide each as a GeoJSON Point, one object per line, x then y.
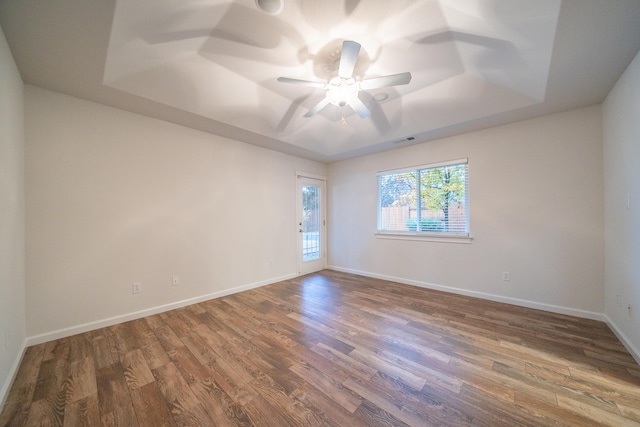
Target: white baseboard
{"type": "Point", "coordinates": [4, 391]}
{"type": "Point", "coordinates": [632, 349]}
{"type": "Point", "coordinates": [73, 330]}
{"type": "Point", "coordinates": [482, 295]}
{"type": "Point", "coordinates": [61, 333]}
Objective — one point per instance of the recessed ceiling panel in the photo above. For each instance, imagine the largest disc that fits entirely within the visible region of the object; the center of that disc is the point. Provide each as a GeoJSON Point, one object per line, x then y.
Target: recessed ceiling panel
{"type": "Point", "coordinates": [221, 60]}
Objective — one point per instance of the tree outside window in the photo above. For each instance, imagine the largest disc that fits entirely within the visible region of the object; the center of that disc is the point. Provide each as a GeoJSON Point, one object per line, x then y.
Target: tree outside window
{"type": "Point", "coordinates": [425, 200]}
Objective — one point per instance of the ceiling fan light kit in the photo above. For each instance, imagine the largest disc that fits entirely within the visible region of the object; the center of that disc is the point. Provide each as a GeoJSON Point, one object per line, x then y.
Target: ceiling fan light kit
{"type": "Point", "coordinates": [343, 90]}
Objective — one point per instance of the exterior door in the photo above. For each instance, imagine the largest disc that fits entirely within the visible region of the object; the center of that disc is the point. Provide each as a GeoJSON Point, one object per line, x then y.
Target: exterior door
{"type": "Point", "coordinates": [311, 224]}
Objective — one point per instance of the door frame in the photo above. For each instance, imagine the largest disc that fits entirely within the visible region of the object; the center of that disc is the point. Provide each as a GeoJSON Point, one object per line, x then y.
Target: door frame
{"type": "Point", "coordinates": [323, 221]}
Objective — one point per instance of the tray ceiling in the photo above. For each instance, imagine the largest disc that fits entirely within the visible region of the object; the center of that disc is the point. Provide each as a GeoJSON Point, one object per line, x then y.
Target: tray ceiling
{"type": "Point", "coordinates": [213, 64]}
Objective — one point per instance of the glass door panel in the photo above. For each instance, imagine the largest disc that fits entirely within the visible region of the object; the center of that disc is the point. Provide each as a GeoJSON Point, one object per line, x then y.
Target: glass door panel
{"type": "Point", "coordinates": [310, 222]}
{"type": "Point", "coordinates": [311, 225]}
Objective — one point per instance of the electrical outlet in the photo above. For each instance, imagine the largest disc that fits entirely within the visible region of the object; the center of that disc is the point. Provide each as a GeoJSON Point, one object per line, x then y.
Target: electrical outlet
{"type": "Point", "coordinates": [618, 300]}
{"type": "Point", "coordinates": [136, 288]}
{"type": "Point", "coordinates": [506, 276]}
{"type": "Point", "coordinates": [629, 309]}
{"type": "Point", "coordinates": [176, 281]}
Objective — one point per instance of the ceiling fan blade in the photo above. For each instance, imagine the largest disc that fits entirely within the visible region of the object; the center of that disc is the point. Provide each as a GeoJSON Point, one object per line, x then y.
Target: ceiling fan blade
{"type": "Point", "coordinates": [359, 107]}
{"type": "Point", "coordinates": [385, 81]}
{"type": "Point", "coordinates": [348, 58]}
{"type": "Point", "coordinates": [319, 106]}
{"type": "Point", "coordinates": [302, 82]}
{"type": "Point", "coordinates": [378, 116]}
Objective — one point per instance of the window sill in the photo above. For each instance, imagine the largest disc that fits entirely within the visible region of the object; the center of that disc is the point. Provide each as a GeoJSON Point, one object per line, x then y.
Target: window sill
{"type": "Point", "coordinates": [423, 237]}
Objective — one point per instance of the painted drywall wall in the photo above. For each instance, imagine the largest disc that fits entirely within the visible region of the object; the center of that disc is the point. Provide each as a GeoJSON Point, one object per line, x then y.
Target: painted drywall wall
{"type": "Point", "coordinates": [536, 203]}
{"type": "Point", "coordinates": [115, 198]}
{"type": "Point", "coordinates": [12, 240]}
{"type": "Point", "coordinates": [621, 139]}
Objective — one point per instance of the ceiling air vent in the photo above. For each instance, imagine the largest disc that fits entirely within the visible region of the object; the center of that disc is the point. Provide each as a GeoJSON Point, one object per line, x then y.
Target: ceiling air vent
{"type": "Point", "coordinates": [407, 139]}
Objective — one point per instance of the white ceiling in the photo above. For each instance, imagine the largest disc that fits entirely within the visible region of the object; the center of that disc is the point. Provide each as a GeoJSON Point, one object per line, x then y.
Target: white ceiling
{"type": "Point", "coordinates": [213, 64]}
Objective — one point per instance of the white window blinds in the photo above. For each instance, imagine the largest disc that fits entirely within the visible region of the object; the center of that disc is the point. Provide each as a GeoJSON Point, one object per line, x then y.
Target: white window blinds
{"type": "Point", "coordinates": [430, 199]}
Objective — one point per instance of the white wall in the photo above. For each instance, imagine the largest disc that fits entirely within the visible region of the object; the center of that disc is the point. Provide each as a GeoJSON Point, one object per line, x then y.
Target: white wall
{"type": "Point", "coordinates": [115, 198]}
{"type": "Point", "coordinates": [536, 202]}
{"type": "Point", "coordinates": [621, 130]}
{"type": "Point", "coordinates": [12, 241]}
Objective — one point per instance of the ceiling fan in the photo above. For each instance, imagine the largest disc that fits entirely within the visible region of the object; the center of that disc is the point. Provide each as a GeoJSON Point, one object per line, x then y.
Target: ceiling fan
{"type": "Point", "coordinates": [343, 89]}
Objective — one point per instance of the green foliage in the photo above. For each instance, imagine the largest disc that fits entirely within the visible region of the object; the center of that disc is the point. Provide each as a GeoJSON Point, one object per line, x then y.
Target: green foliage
{"type": "Point", "coordinates": [433, 190]}
{"type": "Point", "coordinates": [440, 187]}
{"type": "Point", "coordinates": [426, 224]}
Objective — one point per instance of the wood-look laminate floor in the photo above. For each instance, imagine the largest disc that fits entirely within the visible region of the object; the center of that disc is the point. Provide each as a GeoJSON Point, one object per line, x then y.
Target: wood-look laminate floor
{"type": "Point", "coordinates": [338, 350]}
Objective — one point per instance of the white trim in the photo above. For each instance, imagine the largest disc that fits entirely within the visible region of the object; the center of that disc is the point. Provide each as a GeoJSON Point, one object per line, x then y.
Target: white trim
{"type": "Point", "coordinates": [464, 161]}
{"type": "Point", "coordinates": [633, 350]}
{"type": "Point", "coordinates": [444, 238]}
{"type": "Point", "coordinates": [300, 180]}
{"type": "Point", "coordinates": [73, 330]}
{"type": "Point", "coordinates": [4, 391]}
{"type": "Point", "coordinates": [482, 295]}
{"type": "Point", "coordinates": [310, 175]}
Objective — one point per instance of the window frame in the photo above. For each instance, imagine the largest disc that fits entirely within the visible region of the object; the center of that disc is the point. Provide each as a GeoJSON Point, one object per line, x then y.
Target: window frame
{"type": "Point", "coordinates": [431, 236]}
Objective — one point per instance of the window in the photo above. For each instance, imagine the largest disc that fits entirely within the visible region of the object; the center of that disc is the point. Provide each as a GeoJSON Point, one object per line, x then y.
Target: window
{"type": "Point", "coordinates": [431, 200]}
